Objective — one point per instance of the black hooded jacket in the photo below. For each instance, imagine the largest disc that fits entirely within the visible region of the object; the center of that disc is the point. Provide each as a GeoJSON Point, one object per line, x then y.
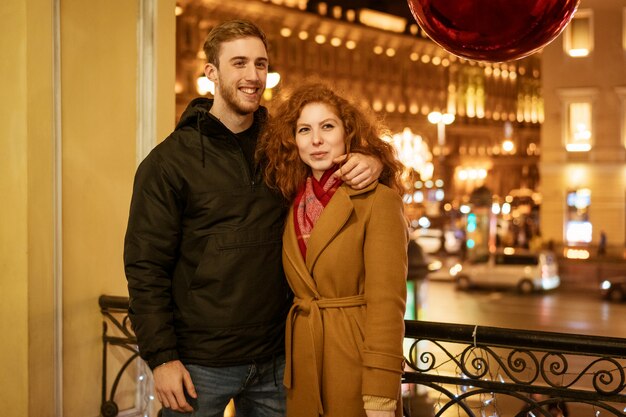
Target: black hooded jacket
{"type": "Point", "coordinates": [202, 252]}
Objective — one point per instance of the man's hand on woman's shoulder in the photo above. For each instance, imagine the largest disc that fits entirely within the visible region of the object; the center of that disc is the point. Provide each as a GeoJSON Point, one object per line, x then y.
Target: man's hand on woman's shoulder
{"type": "Point", "coordinates": [358, 170]}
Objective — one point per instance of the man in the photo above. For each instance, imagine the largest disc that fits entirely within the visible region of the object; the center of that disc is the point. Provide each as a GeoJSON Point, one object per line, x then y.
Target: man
{"type": "Point", "coordinates": [208, 298]}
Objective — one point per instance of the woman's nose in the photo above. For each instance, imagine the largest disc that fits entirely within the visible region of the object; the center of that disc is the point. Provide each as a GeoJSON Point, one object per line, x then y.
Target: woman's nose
{"type": "Point", "coordinates": [317, 138]}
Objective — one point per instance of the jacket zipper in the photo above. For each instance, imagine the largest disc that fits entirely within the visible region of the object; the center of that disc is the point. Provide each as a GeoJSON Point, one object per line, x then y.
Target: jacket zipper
{"type": "Point", "coordinates": [244, 160]}
{"type": "Point", "coordinates": [251, 175]}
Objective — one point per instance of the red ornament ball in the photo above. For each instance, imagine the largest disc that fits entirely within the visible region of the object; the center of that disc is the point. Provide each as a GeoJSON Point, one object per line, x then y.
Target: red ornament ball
{"type": "Point", "coordinates": [493, 30]}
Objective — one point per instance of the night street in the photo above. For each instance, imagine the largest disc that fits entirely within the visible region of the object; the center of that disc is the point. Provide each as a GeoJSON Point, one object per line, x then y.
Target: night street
{"type": "Point", "coordinates": [562, 310]}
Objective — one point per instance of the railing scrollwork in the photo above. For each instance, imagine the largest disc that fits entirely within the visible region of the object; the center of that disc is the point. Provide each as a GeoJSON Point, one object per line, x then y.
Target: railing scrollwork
{"type": "Point", "coordinates": [536, 369]}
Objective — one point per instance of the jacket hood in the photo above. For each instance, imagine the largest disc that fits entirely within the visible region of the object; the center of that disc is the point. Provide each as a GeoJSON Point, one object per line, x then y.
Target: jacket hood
{"type": "Point", "coordinates": [198, 107]}
{"type": "Point", "coordinates": [198, 111]}
{"type": "Point", "coordinates": [197, 117]}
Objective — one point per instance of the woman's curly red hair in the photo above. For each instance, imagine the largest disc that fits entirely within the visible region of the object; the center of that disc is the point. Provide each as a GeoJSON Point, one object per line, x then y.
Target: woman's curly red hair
{"type": "Point", "coordinates": [278, 152]}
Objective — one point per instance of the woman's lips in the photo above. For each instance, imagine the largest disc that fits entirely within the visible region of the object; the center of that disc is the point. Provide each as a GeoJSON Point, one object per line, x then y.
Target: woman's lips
{"type": "Point", "coordinates": [318, 155]}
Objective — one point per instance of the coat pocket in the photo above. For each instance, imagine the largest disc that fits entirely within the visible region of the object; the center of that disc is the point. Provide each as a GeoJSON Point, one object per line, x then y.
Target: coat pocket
{"type": "Point", "coordinates": [358, 335]}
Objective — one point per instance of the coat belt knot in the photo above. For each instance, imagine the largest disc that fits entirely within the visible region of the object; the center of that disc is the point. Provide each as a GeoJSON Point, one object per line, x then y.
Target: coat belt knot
{"type": "Point", "coordinates": [304, 305]}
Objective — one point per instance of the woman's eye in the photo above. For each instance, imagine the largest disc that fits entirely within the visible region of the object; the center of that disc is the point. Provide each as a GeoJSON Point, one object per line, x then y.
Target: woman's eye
{"type": "Point", "coordinates": [328, 126]}
{"type": "Point", "coordinates": [303, 130]}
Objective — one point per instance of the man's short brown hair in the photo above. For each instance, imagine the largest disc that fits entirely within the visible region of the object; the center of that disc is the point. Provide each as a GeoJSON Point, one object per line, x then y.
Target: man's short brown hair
{"type": "Point", "coordinates": [228, 31]}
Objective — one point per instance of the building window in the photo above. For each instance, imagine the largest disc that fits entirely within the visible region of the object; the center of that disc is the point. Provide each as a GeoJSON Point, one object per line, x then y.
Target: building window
{"type": "Point", "coordinates": [578, 38]}
{"type": "Point", "coordinates": [579, 127]}
{"type": "Point", "coordinates": [577, 124]}
{"type": "Point", "coordinates": [578, 229]}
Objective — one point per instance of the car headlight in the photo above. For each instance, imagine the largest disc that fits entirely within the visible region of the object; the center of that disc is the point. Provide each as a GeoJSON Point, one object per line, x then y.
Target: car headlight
{"type": "Point", "coordinates": [435, 265]}
{"type": "Point", "coordinates": [456, 268]}
{"type": "Point", "coordinates": [606, 285]}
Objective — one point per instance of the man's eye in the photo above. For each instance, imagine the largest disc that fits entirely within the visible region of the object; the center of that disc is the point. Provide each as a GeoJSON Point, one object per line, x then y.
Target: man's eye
{"type": "Point", "coordinates": [261, 65]}
{"type": "Point", "coordinates": [239, 63]}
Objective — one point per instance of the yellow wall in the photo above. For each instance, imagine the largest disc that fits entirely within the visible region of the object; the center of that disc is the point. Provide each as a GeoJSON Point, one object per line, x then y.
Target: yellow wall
{"type": "Point", "coordinates": [99, 123]}
{"type": "Point", "coordinates": [99, 102]}
{"type": "Point", "coordinates": [39, 62]}
{"type": "Point", "coordinates": [14, 219]}
{"type": "Point", "coordinates": [165, 69]}
{"type": "Point", "coordinates": [98, 82]}
{"type": "Point", "coordinates": [26, 224]}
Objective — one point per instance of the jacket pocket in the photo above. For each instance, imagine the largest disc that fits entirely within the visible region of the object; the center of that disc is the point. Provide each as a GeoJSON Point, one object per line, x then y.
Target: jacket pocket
{"type": "Point", "coordinates": [239, 256]}
{"type": "Point", "coordinates": [238, 282]}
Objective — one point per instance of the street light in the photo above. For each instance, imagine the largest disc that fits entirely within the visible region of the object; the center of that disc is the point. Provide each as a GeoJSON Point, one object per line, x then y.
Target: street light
{"type": "Point", "coordinates": [441, 120]}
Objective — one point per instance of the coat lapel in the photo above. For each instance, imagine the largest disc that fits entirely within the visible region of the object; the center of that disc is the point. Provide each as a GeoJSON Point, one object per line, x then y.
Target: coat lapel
{"type": "Point", "coordinates": [291, 251]}
{"type": "Point", "coordinates": [333, 218]}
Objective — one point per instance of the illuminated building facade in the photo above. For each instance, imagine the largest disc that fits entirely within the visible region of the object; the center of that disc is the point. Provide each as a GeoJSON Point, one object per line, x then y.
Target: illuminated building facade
{"type": "Point", "coordinates": [388, 63]}
{"type": "Point", "coordinates": [583, 137]}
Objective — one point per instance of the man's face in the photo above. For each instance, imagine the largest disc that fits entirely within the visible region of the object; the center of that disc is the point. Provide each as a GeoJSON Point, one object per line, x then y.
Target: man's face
{"type": "Point", "coordinates": [241, 75]}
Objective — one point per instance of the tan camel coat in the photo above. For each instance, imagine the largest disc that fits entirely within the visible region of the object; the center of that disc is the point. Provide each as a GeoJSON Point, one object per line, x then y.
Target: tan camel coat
{"type": "Point", "coordinates": [345, 329]}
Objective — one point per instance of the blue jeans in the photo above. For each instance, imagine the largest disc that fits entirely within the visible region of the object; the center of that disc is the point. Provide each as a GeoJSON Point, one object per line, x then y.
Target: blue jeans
{"type": "Point", "coordinates": [257, 390]}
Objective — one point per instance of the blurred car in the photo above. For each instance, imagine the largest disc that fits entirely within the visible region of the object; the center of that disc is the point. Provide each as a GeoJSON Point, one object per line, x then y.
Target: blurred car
{"type": "Point", "coordinates": [445, 264]}
{"type": "Point", "coordinates": [420, 263]}
{"type": "Point", "coordinates": [431, 240]}
{"type": "Point", "coordinates": [511, 268]}
{"type": "Point", "coordinates": [614, 289]}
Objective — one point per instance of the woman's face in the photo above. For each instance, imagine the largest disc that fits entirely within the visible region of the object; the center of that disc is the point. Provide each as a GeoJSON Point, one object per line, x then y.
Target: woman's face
{"type": "Point", "coordinates": [320, 137]}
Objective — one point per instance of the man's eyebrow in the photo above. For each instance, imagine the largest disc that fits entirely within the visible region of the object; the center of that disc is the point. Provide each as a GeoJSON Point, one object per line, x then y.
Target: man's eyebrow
{"type": "Point", "coordinates": [245, 58]}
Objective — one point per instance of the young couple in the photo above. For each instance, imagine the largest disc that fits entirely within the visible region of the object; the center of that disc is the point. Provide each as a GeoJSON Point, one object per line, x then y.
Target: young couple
{"type": "Point", "coordinates": [210, 232]}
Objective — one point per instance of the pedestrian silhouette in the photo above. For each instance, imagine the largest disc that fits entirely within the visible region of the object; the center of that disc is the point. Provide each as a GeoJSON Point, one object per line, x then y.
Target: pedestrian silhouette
{"type": "Point", "coordinates": [602, 244]}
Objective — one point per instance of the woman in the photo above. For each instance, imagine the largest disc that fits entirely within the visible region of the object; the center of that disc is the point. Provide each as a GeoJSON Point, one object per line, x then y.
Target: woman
{"type": "Point", "coordinates": [345, 257]}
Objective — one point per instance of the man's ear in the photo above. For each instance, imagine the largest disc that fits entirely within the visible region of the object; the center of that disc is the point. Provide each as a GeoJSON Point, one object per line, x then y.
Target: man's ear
{"type": "Point", "coordinates": [210, 71]}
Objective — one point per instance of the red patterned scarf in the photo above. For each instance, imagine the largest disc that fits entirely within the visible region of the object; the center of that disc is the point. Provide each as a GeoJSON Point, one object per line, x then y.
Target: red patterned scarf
{"type": "Point", "coordinates": [309, 204]}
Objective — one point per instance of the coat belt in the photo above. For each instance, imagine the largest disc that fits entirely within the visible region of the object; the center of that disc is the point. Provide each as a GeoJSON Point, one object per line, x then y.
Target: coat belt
{"type": "Point", "coordinates": [309, 308]}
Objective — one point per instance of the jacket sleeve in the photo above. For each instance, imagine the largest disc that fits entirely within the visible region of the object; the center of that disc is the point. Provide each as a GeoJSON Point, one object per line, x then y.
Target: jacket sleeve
{"type": "Point", "coordinates": [150, 255]}
{"type": "Point", "coordinates": [385, 257]}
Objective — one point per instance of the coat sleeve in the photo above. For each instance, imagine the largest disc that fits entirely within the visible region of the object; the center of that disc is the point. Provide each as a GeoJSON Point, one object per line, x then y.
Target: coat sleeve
{"type": "Point", "coordinates": [385, 257]}
{"type": "Point", "coordinates": [150, 247]}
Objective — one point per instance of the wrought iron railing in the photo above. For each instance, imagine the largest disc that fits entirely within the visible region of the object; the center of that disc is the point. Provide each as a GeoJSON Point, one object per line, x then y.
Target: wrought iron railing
{"type": "Point", "coordinates": [485, 371]}
{"type": "Point", "coordinates": [117, 334]}
{"type": "Point", "coordinates": [463, 370]}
